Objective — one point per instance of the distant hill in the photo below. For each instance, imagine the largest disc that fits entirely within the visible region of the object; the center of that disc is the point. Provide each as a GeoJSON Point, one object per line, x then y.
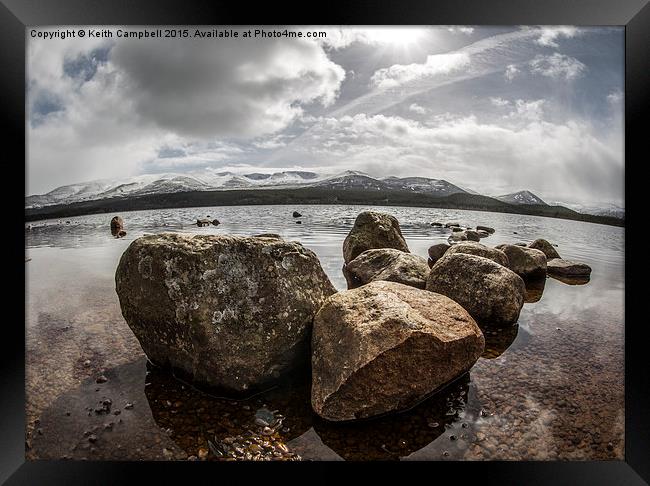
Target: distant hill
{"type": "Point", "coordinates": [308, 195]}
{"type": "Point", "coordinates": [521, 197]}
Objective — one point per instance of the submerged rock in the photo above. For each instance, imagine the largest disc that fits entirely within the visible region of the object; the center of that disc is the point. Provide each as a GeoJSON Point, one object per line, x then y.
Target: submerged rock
{"type": "Point", "coordinates": [473, 248]}
{"type": "Point", "coordinates": [436, 251]}
{"type": "Point", "coordinates": [384, 347]}
{"type": "Point", "coordinates": [373, 230]}
{"type": "Point", "coordinates": [545, 247]}
{"type": "Point", "coordinates": [567, 269]}
{"type": "Point", "coordinates": [387, 264]}
{"type": "Point", "coordinates": [487, 229]}
{"type": "Point", "coordinates": [228, 311]}
{"type": "Point", "coordinates": [490, 292]}
{"type": "Point", "coordinates": [525, 262]}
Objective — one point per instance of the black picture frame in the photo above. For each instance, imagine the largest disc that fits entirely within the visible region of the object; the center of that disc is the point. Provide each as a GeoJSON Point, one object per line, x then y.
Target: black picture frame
{"type": "Point", "coordinates": [15, 15]}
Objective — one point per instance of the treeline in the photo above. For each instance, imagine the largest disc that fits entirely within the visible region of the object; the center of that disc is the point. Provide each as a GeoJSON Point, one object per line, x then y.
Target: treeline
{"type": "Point", "coordinates": [307, 195]}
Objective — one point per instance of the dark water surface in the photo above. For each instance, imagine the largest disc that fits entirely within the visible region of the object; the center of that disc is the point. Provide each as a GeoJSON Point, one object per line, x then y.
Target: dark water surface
{"type": "Point", "coordinates": [550, 387]}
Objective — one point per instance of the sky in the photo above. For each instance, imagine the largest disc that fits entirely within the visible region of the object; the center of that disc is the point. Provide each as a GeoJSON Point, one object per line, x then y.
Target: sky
{"type": "Point", "coordinates": [491, 109]}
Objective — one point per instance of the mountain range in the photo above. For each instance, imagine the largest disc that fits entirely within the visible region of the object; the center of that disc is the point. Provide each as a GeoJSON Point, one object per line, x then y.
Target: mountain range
{"type": "Point", "coordinates": [210, 180]}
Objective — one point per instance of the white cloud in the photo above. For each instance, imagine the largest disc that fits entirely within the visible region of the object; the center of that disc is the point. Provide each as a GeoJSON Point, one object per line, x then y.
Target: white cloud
{"type": "Point", "coordinates": [511, 72]}
{"type": "Point", "coordinates": [437, 64]}
{"type": "Point", "coordinates": [461, 30]}
{"type": "Point", "coordinates": [500, 102]}
{"type": "Point", "coordinates": [549, 35]}
{"type": "Point", "coordinates": [415, 108]}
{"type": "Point", "coordinates": [557, 66]}
{"type": "Point", "coordinates": [523, 152]}
{"type": "Point", "coordinates": [615, 97]}
{"type": "Point", "coordinates": [340, 38]}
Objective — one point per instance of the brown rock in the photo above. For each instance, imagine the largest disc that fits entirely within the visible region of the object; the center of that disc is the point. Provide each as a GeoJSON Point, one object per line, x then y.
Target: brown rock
{"type": "Point", "coordinates": [566, 268]}
{"type": "Point", "coordinates": [373, 230]}
{"type": "Point", "coordinates": [384, 347]}
{"type": "Point", "coordinates": [227, 311]}
{"type": "Point", "coordinates": [487, 229]}
{"type": "Point", "coordinates": [545, 247]}
{"type": "Point", "coordinates": [525, 262]}
{"type": "Point", "coordinates": [473, 248]}
{"type": "Point", "coordinates": [387, 264]}
{"type": "Point", "coordinates": [436, 251]}
{"type": "Point", "coordinates": [490, 292]}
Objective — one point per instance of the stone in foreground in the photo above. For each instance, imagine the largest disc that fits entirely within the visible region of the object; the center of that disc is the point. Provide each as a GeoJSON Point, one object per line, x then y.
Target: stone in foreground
{"type": "Point", "coordinates": [473, 248]}
{"type": "Point", "coordinates": [384, 347]}
{"type": "Point", "coordinates": [436, 251]}
{"type": "Point", "coordinates": [525, 262]}
{"type": "Point", "coordinates": [490, 292]}
{"type": "Point", "coordinates": [566, 268]}
{"type": "Point", "coordinates": [226, 311]}
{"type": "Point", "coordinates": [373, 230]}
{"type": "Point", "coordinates": [545, 247]}
{"type": "Point", "coordinates": [387, 264]}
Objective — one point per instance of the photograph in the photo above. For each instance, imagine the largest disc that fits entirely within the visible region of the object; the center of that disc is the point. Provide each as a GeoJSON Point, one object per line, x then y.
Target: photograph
{"type": "Point", "coordinates": [325, 243]}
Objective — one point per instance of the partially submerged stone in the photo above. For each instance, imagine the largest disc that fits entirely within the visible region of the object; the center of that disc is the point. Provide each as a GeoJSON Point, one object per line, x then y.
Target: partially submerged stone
{"type": "Point", "coordinates": [373, 230]}
{"type": "Point", "coordinates": [227, 311]}
{"type": "Point", "coordinates": [473, 248]}
{"type": "Point", "coordinates": [436, 251]}
{"type": "Point", "coordinates": [567, 269]}
{"type": "Point", "coordinates": [490, 292]}
{"type": "Point", "coordinates": [386, 346]}
{"type": "Point", "coordinates": [387, 264]}
{"type": "Point", "coordinates": [545, 247]}
{"type": "Point", "coordinates": [525, 262]}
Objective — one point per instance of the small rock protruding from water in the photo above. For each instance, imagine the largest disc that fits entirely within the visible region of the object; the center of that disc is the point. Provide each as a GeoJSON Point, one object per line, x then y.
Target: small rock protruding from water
{"type": "Point", "coordinates": [203, 222]}
{"type": "Point", "coordinates": [545, 247]}
{"type": "Point", "coordinates": [296, 214]}
{"type": "Point", "coordinates": [216, 222]}
{"type": "Point", "coordinates": [117, 225]}
{"type": "Point", "coordinates": [487, 229]}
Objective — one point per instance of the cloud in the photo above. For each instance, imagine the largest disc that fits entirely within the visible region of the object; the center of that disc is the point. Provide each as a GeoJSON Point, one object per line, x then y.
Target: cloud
{"type": "Point", "coordinates": [415, 108]}
{"type": "Point", "coordinates": [340, 38]}
{"type": "Point", "coordinates": [549, 35]}
{"type": "Point", "coordinates": [461, 30]}
{"type": "Point", "coordinates": [615, 97]}
{"type": "Point", "coordinates": [511, 72]}
{"type": "Point", "coordinates": [243, 88]}
{"type": "Point", "coordinates": [435, 64]}
{"type": "Point", "coordinates": [557, 66]}
{"type": "Point", "coordinates": [500, 102]}
{"type": "Point", "coordinates": [571, 158]}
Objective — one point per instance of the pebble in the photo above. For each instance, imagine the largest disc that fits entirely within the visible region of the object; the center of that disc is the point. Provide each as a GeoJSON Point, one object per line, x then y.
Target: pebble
{"type": "Point", "coordinates": [128, 406]}
{"type": "Point", "coordinates": [101, 379]}
{"type": "Point", "coordinates": [203, 454]}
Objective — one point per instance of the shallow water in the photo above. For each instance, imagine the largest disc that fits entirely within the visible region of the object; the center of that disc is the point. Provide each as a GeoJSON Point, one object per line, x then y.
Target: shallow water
{"type": "Point", "coordinates": [550, 387]}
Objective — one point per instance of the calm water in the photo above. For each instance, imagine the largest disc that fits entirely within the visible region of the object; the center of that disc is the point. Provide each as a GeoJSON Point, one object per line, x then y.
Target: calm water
{"type": "Point", "coordinates": [548, 388]}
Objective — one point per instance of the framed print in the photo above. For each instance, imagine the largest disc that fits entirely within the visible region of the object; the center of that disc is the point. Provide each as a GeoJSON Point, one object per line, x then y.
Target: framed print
{"type": "Point", "coordinates": [391, 236]}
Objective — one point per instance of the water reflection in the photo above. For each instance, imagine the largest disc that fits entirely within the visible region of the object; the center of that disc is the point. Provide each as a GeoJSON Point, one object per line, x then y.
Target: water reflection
{"type": "Point", "coordinates": [498, 339]}
{"type": "Point", "coordinates": [572, 280]}
{"type": "Point", "coordinates": [534, 289]}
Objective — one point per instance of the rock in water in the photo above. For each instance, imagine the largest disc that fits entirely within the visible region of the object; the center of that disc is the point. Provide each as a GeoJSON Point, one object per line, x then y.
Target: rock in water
{"type": "Point", "coordinates": [487, 229]}
{"type": "Point", "coordinates": [227, 311]}
{"type": "Point", "coordinates": [203, 222]}
{"type": "Point", "coordinates": [387, 264]}
{"type": "Point", "coordinates": [384, 347]}
{"type": "Point", "coordinates": [491, 293]}
{"type": "Point", "coordinates": [473, 248]}
{"type": "Point", "coordinates": [373, 230]}
{"type": "Point", "coordinates": [117, 225]}
{"type": "Point", "coordinates": [545, 247]}
{"type": "Point", "coordinates": [296, 214]}
{"type": "Point", "coordinates": [525, 262]}
{"type": "Point", "coordinates": [566, 268]}
{"type": "Point", "coordinates": [436, 251]}
{"type": "Point", "coordinates": [216, 222]}
{"type": "Point", "coordinates": [472, 235]}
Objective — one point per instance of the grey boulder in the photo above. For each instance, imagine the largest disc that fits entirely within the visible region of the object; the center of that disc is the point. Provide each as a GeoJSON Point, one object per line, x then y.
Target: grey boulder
{"type": "Point", "coordinates": [473, 248]}
{"type": "Point", "coordinates": [545, 247]}
{"type": "Point", "coordinates": [230, 312]}
{"type": "Point", "coordinates": [387, 264]}
{"type": "Point", "coordinates": [525, 262]}
{"type": "Point", "coordinates": [373, 230]}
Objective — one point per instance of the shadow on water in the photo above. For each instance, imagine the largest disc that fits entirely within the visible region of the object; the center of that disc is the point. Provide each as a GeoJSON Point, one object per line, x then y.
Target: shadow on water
{"type": "Point", "coordinates": [498, 339]}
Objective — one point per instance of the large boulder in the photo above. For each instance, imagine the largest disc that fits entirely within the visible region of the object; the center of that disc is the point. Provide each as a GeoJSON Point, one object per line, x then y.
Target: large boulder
{"type": "Point", "coordinates": [387, 264]}
{"type": "Point", "coordinates": [230, 312]}
{"type": "Point", "coordinates": [545, 247]}
{"type": "Point", "coordinates": [473, 248]}
{"type": "Point", "coordinates": [567, 269]}
{"type": "Point", "coordinates": [491, 293]}
{"type": "Point", "coordinates": [436, 251]}
{"type": "Point", "coordinates": [526, 262]}
{"type": "Point", "coordinates": [384, 347]}
{"type": "Point", "coordinates": [373, 230]}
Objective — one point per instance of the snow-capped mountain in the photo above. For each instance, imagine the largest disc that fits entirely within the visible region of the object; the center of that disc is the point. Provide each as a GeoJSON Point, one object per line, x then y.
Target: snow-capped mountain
{"type": "Point", "coordinates": [210, 180]}
{"type": "Point", "coordinates": [602, 209]}
{"type": "Point", "coordinates": [521, 197]}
